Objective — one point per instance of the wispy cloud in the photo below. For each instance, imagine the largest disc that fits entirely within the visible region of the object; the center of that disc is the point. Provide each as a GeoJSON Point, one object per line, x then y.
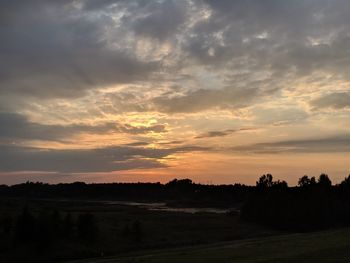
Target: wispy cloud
{"type": "Point", "coordinates": [223, 133]}
{"type": "Point", "coordinates": [200, 100]}
{"type": "Point", "coordinates": [15, 126]}
{"type": "Point", "coordinates": [339, 100]}
{"type": "Point", "coordinates": [323, 145]}
{"type": "Point", "coordinates": [17, 158]}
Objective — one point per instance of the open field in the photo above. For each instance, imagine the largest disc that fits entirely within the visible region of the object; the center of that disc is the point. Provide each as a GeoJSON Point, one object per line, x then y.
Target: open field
{"type": "Point", "coordinates": [328, 246]}
{"type": "Point", "coordinates": [115, 222]}
{"type": "Point", "coordinates": [169, 237]}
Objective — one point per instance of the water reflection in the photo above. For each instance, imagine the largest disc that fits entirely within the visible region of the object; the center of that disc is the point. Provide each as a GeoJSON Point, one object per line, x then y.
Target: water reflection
{"type": "Point", "coordinates": [166, 208]}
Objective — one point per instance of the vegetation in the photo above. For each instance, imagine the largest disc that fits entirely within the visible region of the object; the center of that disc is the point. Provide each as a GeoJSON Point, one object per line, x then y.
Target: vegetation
{"type": "Point", "coordinates": [54, 223]}
{"type": "Point", "coordinates": [314, 205]}
{"type": "Point", "coordinates": [32, 230]}
{"type": "Point", "coordinates": [323, 247]}
{"type": "Point", "coordinates": [177, 192]}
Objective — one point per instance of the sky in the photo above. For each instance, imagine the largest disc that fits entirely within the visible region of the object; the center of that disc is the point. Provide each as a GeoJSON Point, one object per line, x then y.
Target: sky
{"type": "Point", "coordinates": [218, 91]}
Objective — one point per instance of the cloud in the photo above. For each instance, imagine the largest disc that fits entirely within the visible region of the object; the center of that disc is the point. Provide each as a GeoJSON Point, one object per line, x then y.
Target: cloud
{"type": "Point", "coordinates": [157, 128]}
{"type": "Point", "coordinates": [337, 101]}
{"type": "Point", "coordinates": [134, 144]}
{"type": "Point", "coordinates": [54, 49]}
{"type": "Point", "coordinates": [15, 126]}
{"type": "Point", "coordinates": [140, 61]}
{"type": "Point", "coordinates": [279, 116]}
{"type": "Point", "coordinates": [77, 161]}
{"type": "Point", "coordinates": [204, 99]}
{"type": "Point", "coordinates": [262, 37]}
{"type": "Point", "coordinates": [160, 20]}
{"type": "Point", "coordinates": [16, 158]}
{"type": "Point", "coordinates": [62, 49]}
{"type": "Point", "coordinates": [336, 144]}
{"type": "Point", "coordinates": [100, 4]}
{"type": "Point", "coordinates": [223, 133]}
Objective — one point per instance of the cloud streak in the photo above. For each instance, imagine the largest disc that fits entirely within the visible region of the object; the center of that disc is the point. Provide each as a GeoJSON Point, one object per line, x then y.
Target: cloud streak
{"type": "Point", "coordinates": [15, 126]}
{"type": "Point", "coordinates": [200, 100]}
{"type": "Point", "coordinates": [337, 101]}
{"type": "Point", "coordinates": [212, 134]}
{"type": "Point", "coordinates": [337, 144]}
{"type": "Point", "coordinates": [108, 159]}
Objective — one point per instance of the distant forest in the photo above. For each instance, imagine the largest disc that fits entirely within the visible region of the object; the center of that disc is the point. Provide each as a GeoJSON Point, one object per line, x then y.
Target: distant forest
{"type": "Point", "coordinates": [312, 205]}
{"type": "Point", "coordinates": [174, 193]}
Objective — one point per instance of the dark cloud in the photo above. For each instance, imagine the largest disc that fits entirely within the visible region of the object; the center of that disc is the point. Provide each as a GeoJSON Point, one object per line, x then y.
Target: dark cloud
{"type": "Point", "coordinates": [160, 20]}
{"type": "Point", "coordinates": [223, 133]}
{"type": "Point", "coordinates": [339, 100]}
{"type": "Point", "coordinates": [15, 126]}
{"type": "Point", "coordinates": [54, 49]}
{"type": "Point", "coordinates": [75, 161]}
{"type": "Point", "coordinates": [62, 48]}
{"type": "Point", "coordinates": [100, 4]}
{"type": "Point", "coordinates": [335, 144]}
{"type": "Point", "coordinates": [14, 158]}
{"type": "Point", "coordinates": [203, 99]}
{"type": "Point", "coordinates": [258, 36]}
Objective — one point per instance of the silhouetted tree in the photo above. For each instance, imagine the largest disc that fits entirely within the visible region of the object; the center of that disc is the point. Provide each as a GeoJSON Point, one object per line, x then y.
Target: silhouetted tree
{"type": "Point", "coordinates": [346, 182]}
{"type": "Point", "coordinates": [303, 209]}
{"type": "Point", "coordinates": [324, 181]}
{"type": "Point", "coordinates": [305, 181]}
{"type": "Point", "coordinates": [280, 185]}
{"type": "Point", "coordinates": [180, 182]}
{"type": "Point", "coordinates": [265, 181]}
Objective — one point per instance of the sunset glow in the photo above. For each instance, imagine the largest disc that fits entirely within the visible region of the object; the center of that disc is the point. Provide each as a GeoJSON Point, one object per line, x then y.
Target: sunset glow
{"type": "Point", "coordinates": [212, 90]}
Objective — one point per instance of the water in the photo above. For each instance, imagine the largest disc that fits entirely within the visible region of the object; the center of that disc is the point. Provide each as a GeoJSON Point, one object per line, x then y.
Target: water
{"type": "Point", "coordinates": [165, 208]}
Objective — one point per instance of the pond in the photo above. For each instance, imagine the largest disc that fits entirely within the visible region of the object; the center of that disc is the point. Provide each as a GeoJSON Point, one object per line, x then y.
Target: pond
{"type": "Point", "coordinates": [166, 208]}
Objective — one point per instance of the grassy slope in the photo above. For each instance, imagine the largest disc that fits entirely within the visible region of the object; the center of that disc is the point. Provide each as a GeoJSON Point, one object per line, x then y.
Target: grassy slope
{"type": "Point", "coordinates": [329, 246]}
{"type": "Point", "coordinates": [160, 230]}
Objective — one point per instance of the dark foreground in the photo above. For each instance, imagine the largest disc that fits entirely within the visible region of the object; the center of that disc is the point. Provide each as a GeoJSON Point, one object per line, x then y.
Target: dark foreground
{"type": "Point", "coordinates": [327, 246]}
{"type": "Point", "coordinates": [110, 229]}
{"type": "Point", "coordinates": [270, 222]}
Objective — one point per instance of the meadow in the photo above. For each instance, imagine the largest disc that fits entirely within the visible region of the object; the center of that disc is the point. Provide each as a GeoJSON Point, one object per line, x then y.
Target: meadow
{"type": "Point", "coordinates": [176, 222]}
{"type": "Point", "coordinates": [325, 246]}
{"type": "Point", "coordinates": [121, 229]}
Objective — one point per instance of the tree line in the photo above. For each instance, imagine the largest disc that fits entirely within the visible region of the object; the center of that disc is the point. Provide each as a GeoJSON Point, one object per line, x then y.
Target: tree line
{"type": "Point", "coordinates": [313, 205]}
{"type": "Point", "coordinates": [175, 192]}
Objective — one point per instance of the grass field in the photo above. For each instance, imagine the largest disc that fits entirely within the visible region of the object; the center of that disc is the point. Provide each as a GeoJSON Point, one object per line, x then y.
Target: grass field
{"type": "Point", "coordinates": [174, 237]}
{"type": "Point", "coordinates": [159, 230]}
{"type": "Point", "coordinates": [328, 246]}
